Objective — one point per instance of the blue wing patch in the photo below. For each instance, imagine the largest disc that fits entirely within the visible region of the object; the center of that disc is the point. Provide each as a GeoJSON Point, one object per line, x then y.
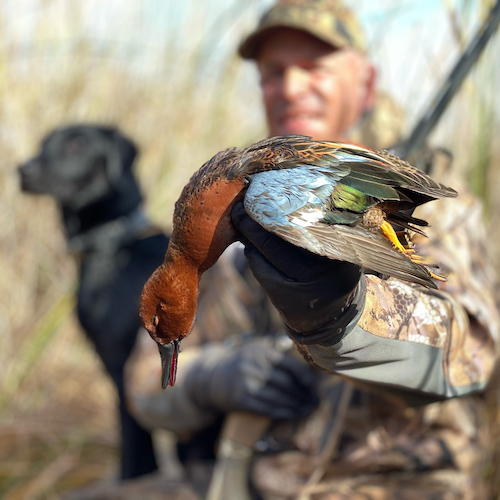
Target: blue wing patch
{"type": "Point", "coordinates": [290, 196]}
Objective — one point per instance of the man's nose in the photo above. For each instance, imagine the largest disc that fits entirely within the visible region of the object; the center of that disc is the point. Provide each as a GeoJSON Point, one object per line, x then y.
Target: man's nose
{"type": "Point", "coordinates": [295, 82]}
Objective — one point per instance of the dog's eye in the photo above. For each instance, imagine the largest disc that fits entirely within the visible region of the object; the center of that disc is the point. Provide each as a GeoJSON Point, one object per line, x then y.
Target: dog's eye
{"type": "Point", "coordinates": [76, 144]}
{"type": "Point", "coordinates": [155, 320]}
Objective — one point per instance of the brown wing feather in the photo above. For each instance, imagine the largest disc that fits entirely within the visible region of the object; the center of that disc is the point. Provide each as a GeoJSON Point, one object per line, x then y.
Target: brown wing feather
{"type": "Point", "coordinates": [291, 151]}
{"type": "Point", "coordinates": [415, 179]}
{"type": "Point", "coordinates": [356, 245]}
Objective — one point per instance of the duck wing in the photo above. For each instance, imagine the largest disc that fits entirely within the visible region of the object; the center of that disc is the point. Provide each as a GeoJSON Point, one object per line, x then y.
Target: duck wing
{"type": "Point", "coordinates": [295, 211]}
{"type": "Point", "coordinates": [294, 201]}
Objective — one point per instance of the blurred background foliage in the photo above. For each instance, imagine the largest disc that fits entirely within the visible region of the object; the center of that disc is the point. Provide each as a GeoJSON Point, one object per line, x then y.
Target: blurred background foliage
{"type": "Point", "coordinates": [166, 73]}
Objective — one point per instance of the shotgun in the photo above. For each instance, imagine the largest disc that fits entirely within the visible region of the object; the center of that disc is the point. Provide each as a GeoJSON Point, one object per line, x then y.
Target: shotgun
{"type": "Point", "coordinates": [447, 91]}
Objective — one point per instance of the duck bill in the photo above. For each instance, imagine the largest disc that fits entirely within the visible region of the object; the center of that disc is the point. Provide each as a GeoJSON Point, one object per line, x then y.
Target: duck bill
{"type": "Point", "coordinates": [168, 354]}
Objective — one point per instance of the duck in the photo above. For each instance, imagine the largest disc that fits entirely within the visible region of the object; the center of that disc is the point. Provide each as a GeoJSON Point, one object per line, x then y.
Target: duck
{"type": "Point", "coordinates": [339, 200]}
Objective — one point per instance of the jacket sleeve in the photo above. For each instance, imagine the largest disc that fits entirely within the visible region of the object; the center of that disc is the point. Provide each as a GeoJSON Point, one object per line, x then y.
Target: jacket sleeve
{"type": "Point", "coordinates": [421, 344]}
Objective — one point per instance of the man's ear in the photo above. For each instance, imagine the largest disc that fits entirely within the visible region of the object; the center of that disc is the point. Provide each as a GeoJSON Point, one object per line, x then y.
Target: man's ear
{"type": "Point", "coordinates": [370, 86]}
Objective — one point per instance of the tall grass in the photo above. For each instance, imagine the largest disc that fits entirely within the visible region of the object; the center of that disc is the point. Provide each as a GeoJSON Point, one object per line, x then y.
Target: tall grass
{"type": "Point", "coordinates": [180, 110]}
{"type": "Point", "coordinates": [191, 99]}
{"type": "Point", "coordinates": [470, 127]}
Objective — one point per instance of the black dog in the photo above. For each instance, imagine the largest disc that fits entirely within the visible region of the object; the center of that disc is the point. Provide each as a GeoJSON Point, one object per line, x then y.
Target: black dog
{"type": "Point", "coordinates": [87, 169]}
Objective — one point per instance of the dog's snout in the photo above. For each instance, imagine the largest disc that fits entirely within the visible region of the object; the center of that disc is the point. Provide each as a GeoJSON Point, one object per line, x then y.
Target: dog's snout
{"type": "Point", "coordinates": [29, 173]}
{"type": "Point", "coordinates": [30, 169]}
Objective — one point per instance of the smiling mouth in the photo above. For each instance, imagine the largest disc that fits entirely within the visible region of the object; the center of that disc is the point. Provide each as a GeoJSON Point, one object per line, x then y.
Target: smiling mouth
{"type": "Point", "coordinates": [299, 116]}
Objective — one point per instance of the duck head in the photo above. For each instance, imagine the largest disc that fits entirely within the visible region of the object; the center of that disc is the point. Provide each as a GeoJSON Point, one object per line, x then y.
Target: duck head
{"type": "Point", "coordinates": [168, 310]}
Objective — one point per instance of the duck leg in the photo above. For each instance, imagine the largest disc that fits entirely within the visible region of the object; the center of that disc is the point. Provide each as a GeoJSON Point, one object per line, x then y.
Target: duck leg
{"type": "Point", "coordinates": [390, 234]}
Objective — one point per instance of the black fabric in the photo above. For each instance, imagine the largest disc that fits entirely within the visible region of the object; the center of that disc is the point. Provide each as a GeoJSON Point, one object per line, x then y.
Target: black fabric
{"type": "Point", "coordinates": [254, 377]}
{"type": "Point", "coordinates": [201, 445]}
{"type": "Point", "coordinates": [334, 330]}
{"type": "Point", "coordinates": [308, 290]}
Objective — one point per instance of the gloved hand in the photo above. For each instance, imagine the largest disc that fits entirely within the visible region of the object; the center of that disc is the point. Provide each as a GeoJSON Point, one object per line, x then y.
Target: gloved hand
{"type": "Point", "coordinates": [316, 296]}
{"type": "Point", "coordinates": [254, 377]}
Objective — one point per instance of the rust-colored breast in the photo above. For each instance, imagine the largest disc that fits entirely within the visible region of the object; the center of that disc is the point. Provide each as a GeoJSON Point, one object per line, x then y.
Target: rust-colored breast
{"type": "Point", "coordinates": [204, 230]}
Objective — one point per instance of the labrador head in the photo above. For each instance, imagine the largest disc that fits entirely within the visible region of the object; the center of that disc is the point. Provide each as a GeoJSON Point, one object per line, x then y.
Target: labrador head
{"type": "Point", "coordinates": [80, 164]}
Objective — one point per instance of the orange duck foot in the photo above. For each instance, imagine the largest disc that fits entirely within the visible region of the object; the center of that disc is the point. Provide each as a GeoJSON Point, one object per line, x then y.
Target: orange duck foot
{"type": "Point", "coordinates": [390, 234]}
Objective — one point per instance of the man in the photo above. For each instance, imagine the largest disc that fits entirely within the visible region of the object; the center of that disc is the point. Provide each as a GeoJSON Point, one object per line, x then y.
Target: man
{"type": "Point", "coordinates": [407, 347]}
{"type": "Point", "coordinates": [315, 76]}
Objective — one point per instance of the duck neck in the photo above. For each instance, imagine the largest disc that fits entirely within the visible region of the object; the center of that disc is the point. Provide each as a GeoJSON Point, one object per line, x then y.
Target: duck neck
{"type": "Point", "coordinates": [203, 229]}
{"type": "Point", "coordinates": [181, 278]}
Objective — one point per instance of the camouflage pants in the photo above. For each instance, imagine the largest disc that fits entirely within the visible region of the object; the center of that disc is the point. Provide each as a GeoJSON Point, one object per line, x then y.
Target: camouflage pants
{"type": "Point", "coordinates": [441, 451]}
{"type": "Point", "coordinates": [435, 485]}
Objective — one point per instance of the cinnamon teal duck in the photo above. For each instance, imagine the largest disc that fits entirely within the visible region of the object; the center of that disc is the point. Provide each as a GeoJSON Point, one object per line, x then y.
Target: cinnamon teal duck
{"type": "Point", "coordinates": [337, 200]}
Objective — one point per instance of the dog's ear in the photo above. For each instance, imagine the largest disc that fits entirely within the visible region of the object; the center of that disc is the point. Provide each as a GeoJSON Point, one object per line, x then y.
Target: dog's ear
{"type": "Point", "coordinates": [127, 150]}
{"type": "Point", "coordinates": [122, 155]}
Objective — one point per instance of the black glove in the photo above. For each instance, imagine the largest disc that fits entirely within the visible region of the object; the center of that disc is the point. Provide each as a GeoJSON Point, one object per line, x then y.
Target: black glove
{"type": "Point", "coordinates": [316, 296]}
{"type": "Point", "coordinates": [254, 377]}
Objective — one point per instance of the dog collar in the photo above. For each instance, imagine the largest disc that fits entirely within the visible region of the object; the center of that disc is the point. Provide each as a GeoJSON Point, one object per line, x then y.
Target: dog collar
{"type": "Point", "coordinates": [111, 235]}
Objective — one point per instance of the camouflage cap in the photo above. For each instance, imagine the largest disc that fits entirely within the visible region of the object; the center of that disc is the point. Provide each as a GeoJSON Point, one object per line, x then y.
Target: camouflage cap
{"type": "Point", "coordinates": [329, 20]}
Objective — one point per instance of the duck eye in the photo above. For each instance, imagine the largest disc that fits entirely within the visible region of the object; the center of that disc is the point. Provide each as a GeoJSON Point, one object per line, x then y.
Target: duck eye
{"type": "Point", "coordinates": [155, 320]}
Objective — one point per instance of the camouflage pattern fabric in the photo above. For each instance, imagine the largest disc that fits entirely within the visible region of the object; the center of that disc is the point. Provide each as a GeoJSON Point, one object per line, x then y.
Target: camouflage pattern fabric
{"type": "Point", "coordinates": [329, 20]}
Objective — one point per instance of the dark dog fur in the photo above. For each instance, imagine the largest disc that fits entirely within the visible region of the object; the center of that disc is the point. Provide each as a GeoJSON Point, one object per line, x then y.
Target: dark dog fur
{"type": "Point", "coordinates": [87, 169]}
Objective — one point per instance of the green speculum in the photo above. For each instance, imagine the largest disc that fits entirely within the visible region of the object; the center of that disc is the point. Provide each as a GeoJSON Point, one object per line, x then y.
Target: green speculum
{"type": "Point", "coordinates": [349, 198]}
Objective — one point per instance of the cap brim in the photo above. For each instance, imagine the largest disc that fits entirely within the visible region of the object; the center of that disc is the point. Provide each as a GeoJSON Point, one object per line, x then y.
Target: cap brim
{"type": "Point", "coordinates": [249, 48]}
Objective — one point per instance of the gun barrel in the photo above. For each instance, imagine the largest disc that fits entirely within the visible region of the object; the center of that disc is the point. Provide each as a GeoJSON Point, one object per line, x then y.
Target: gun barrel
{"type": "Point", "coordinates": [451, 85]}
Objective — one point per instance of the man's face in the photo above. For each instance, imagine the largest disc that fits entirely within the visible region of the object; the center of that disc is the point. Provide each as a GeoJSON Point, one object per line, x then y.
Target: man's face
{"type": "Point", "coordinates": [310, 88]}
